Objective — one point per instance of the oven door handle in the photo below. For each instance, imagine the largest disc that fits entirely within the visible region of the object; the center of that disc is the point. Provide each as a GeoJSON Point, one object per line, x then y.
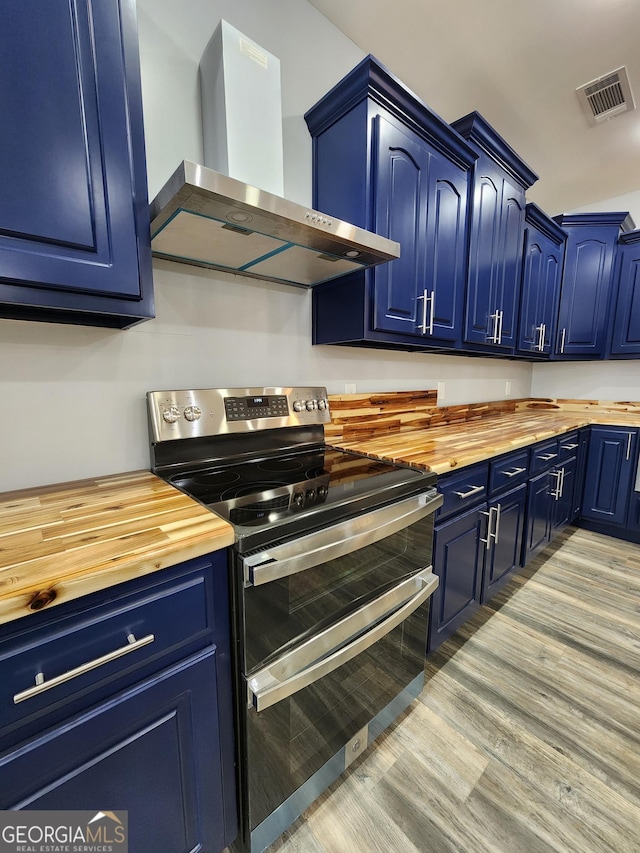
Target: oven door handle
{"type": "Point", "coordinates": [337, 540]}
{"type": "Point", "coordinates": [339, 643]}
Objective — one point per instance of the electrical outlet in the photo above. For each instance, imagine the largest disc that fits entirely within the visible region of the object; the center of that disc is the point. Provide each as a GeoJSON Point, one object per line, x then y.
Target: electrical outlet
{"type": "Point", "coordinates": [507, 388]}
{"type": "Point", "coordinates": [350, 388]}
{"type": "Point", "coordinates": [441, 393]}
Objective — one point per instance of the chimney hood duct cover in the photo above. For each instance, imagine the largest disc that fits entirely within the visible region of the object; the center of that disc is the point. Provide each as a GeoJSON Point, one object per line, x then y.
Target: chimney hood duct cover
{"type": "Point", "coordinates": [207, 219]}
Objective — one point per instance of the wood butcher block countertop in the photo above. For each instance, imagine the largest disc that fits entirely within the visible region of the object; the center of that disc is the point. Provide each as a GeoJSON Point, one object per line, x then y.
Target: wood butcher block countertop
{"type": "Point", "coordinates": [408, 427]}
{"type": "Point", "coordinates": [60, 542]}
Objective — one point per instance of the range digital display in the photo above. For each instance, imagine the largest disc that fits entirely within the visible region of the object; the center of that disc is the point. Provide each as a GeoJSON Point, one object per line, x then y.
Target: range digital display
{"type": "Point", "coordinates": [253, 402]}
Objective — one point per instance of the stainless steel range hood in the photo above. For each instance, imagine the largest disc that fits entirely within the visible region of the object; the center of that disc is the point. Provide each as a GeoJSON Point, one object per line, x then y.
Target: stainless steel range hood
{"type": "Point", "coordinates": [207, 219]}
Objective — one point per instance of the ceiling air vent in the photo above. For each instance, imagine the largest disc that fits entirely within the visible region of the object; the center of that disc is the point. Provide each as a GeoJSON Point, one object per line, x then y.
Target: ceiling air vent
{"type": "Point", "coordinates": [607, 96]}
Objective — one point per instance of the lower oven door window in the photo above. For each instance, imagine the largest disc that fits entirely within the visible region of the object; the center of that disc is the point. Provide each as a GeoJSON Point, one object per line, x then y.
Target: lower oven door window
{"type": "Point", "coordinates": [291, 591]}
{"type": "Point", "coordinates": [307, 705]}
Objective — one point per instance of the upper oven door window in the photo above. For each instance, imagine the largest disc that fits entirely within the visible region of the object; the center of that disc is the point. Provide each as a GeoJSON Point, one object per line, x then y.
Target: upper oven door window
{"type": "Point", "coordinates": [294, 590]}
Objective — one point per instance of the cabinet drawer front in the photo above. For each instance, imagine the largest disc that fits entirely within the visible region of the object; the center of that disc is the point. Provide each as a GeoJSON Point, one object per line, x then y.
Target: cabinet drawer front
{"type": "Point", "coordinates": [463, 489]}
{"type": "Point", "coordinates": [568, 445]}
{"type": "Point", "coordinates": [76, 656]}
{"type": "Point", "coordinates": [509, 471]}
{"type": "Point", "coordinates": [544, 455]}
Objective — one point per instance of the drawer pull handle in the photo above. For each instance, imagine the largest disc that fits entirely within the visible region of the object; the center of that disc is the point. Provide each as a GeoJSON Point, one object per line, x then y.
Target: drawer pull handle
{"type": "Point", "coordinates": [41, 685]}
{"type": "Point", "coordinates": [515, 472]}
{"type": "Point", "coordinates": [474, 490]}
{"type": "Point", "coordinates": [569, 446]}
{"type": "Point", "coordinates": [547, 456]}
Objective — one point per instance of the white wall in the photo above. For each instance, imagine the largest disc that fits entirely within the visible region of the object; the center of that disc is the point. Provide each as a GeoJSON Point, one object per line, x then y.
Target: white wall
{"type": "Point", "coordinates": [73, 398]}
{"type": "Point", "coordinates": [587, 380]}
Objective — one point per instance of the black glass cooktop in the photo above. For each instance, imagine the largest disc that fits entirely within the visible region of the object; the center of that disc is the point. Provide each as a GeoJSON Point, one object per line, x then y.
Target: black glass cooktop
{"type": "Point", "coordinates": [275, 489]}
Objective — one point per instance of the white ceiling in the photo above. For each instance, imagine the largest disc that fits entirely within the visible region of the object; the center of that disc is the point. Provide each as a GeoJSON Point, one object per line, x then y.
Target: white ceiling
{"type": "Point", "coordinates": [518, 62]}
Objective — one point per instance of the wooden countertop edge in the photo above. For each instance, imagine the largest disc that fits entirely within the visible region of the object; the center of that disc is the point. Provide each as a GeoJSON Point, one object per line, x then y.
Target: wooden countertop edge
{"type": "Point", "coordinates": [15, 604]}
{"type": "Point", "coordinates": [429, 456]}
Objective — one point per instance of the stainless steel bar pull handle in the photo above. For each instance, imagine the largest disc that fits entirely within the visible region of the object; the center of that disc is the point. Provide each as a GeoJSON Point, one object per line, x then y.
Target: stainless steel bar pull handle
{"type": "Point", "coordinates": [629, 437]}
{"type": "Point", "coordinates": [547, 456]}
{"type": "Point", "coordinates": [423, 326]}
{"type": "Point", "coordinates": [343, 538]}
{"type": "Point", "coordinates": [562, 340]}
{"type": "Point", "coordinates": [41, 685]}
{"type": "Point", "coordinates": [556, 491]}
{"type": "Point", "coordinates": [340, 643]}
{"type": "Point", "coordinates": [496, 532]}
{"type": "Point", "coordinates": [570, 446]}
{"type": "Point", "coordinates": [544, 334]}
{"type": "Point", "coordinates": [474, 490]}
{"type": "Point", "coordinates": [491, 533]}
{"type": "Point", "coordinates": [432, 313]}
{"type": "Point", "coordinates": [500, 322]}
{"type": "Point", "coordinates": [515, 472]}
{"type": "Point", "coordinates": [539, 344]}
{"type": "Point", "coordinates": [493, 339]}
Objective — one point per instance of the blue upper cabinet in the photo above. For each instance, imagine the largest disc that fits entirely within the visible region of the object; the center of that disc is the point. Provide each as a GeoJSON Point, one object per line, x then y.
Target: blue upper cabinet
{"type": "Point", "coordinates": [585, 296]}
{"type": "Point", "coordinates": [541, 276]}
{"type": "Point", "coordinates": [497, 210]}
{"type": "Point", "coordinates": [386, 162]}
{"type": "Point", "coordinates": [625, 339]}
{"type": "Point", "coordinates": [74, 221]}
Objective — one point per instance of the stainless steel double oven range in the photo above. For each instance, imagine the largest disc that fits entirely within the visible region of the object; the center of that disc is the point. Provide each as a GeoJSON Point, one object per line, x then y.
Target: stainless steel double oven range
{"type": "Point", "coordinates": [330, 576]}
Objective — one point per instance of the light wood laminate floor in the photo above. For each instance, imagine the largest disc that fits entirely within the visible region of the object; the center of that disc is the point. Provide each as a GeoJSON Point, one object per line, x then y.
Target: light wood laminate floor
{"type": "Point", "coordinates": [526, 737]}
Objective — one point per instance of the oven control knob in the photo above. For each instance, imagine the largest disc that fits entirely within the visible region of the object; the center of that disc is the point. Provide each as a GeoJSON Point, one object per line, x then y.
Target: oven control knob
{"type": "Point", "coordinates": [298, 406]}
{"type": "Point", "coordinates": [323, 405]}
{"type": "Point", "coordinates": [192, 413]}
{"type": "Point", "coordinates": [298, 498]}
{"type": "Point", "coordinates": [311, 495]}
{"type": "Point", "coordinates": [312, 405]}
{"type": "Point", "coordinates": [171, 414]}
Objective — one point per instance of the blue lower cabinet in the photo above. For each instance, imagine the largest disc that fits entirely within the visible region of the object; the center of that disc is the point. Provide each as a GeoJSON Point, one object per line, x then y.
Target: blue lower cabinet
{"type": "Point", "coordinates": [633, 520]}
{"type": "Point", "coordinates": [458, 556]}
{"type": "Point", "coordinates": [611, 466]}
{"type": "Point", "coordinates": [504, 551]}
{"type": "Point", "coordinates": [153, 751]}
{"type": "Point", "coordinates": [474, 554]}
{"type": "Point", "coordinates": [142, 719]}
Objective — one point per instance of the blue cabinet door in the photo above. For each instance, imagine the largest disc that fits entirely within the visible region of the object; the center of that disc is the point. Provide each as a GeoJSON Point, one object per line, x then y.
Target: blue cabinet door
{"type": "Point", "coordinates": [565, 476]}
{"type": "Point", "coordinates": [446, 250]}
{"type": "Point", "coordinates": [74, 222]}
{"type": "Point", "coordinates": [481, 323]}
{"type": "Point", "coordinates": [153, 750]}
{"type": "Point", "coordinates": [626, 324]}
{"type": "Point", "coordinates": [497, 208]}
{"type": "Point", "coordinates": [495, 258]}
{"type": "Point", "coordinates": [585, 295]}
{"type": "Point", "coordinates": [505, 554]}
{"type": "Point", "coordinates": [610, 469]}
{"type": "Point", "coordinates": [510, 262]}
{"type": "Point", "coordinates": [402, 166]}
{"type": "Point", "coordinates": [457, 560]}
{"type": "Point", "coordinates": [541, 276]}
{"type": "Point", "coordinates": [538, 522]}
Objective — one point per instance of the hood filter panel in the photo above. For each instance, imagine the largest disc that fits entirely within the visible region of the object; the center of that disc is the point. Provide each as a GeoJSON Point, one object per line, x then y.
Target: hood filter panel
{"type": "Point", "coordinates": [207, 219]}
